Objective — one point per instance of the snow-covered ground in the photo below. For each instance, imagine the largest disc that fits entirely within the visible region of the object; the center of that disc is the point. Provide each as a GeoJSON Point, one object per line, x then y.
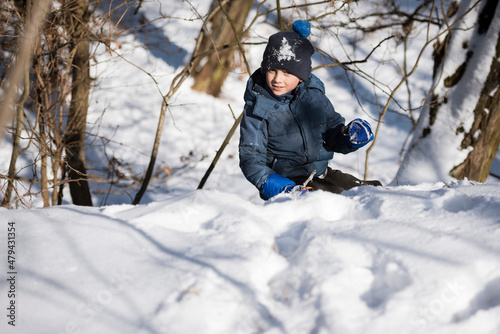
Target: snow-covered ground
{"type": "Point", "coordinates": [395, 259]}
{"type": "Point", "coordinates": [419, 259]}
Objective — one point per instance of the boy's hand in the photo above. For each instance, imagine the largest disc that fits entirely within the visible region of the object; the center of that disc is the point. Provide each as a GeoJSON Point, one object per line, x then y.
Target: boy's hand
{"type": "Point", "coordinates": [358, 133]}
{"type": "Point", "coordinates": [276, 184]}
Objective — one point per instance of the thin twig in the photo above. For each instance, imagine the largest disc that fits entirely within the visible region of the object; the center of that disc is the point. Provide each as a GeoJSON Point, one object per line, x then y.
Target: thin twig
{"type": "Point", "coordinates": [221, 149]}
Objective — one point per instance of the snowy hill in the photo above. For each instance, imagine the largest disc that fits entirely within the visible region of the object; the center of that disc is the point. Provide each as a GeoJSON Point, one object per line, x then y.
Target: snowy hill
{"type": "Point", "coordinates": [420, 259]}
{"type": "Point", "coordinates": [393, 259]}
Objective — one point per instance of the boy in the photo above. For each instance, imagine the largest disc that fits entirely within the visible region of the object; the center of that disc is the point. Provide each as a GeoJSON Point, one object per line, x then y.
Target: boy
{"type": "Point", "coordinates": [289, 127]}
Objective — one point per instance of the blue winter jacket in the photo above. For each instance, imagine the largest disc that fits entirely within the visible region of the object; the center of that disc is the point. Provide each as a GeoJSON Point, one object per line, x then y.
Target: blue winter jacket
{"type": "Point", "coordinates": [292, 134]}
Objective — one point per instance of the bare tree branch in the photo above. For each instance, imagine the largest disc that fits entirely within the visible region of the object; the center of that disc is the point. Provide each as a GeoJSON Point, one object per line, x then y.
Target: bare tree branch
{"type": "Point", "coordinates": [24, 55]}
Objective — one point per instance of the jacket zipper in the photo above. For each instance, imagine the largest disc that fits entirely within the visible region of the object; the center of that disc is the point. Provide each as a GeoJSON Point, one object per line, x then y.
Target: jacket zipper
{"type": "Point", "coordinates": [301, 131]}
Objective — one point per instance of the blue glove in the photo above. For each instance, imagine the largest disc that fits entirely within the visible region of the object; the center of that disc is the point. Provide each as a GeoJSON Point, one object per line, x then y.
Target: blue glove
{"type": "Point", "coordinates": [358, 133]}
{"type": "Point", "coordinates": [276, 184]}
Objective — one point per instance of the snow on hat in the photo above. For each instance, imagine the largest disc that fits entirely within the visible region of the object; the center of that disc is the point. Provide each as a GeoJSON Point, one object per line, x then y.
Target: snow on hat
{"type": "Point", "coordinates": [290, 51]}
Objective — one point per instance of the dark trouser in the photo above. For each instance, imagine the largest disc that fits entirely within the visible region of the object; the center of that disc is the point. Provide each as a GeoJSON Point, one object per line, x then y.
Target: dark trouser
{"type": "Point", "coordinates": [335, 181]}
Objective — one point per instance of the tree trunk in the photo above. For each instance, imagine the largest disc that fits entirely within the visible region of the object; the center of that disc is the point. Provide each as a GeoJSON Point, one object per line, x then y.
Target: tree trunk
{"type": "Point", "coordinates": [459, 132]}
{"type": "Point", "coordinates": [19, 118]}
{"type": "Point", "coordinates": [486, 123]}
{"type": "Point", "coordinates": [77, 118]}
{"type": "Point", "coordinates": [210, 77]}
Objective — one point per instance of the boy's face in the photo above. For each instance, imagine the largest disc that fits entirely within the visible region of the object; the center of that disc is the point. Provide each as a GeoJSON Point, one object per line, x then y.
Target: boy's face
{"type": "Point", "coordinates": [281, 82]}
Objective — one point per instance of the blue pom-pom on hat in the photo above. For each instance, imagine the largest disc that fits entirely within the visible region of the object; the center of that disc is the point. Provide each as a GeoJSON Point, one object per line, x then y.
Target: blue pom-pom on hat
{"type": "Point", "coordinates": [303, 28]}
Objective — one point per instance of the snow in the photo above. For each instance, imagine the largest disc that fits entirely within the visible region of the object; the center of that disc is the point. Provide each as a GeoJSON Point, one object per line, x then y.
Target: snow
{"type": "Point", "coordinates": [285, 52]}
{"type": "Point", "coordinates": [421, 258]}
{"type": "Point", "coordinates": [407, 259]}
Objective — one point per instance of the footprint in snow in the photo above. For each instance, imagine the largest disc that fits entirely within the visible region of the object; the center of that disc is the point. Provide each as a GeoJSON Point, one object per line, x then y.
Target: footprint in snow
{"type": "Point", "coordinates": [389, 278]}
{"type": "Point", "coordinates": [486, 299]}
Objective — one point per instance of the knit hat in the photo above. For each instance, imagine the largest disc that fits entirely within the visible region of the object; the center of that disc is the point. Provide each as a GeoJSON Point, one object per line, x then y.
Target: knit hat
{"type": "Point", "coordinates": [290, 51]}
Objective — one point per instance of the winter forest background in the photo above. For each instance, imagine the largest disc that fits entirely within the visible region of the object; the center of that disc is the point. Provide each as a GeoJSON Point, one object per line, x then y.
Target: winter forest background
{"type": "Point", "coordinates": [119, 170]}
